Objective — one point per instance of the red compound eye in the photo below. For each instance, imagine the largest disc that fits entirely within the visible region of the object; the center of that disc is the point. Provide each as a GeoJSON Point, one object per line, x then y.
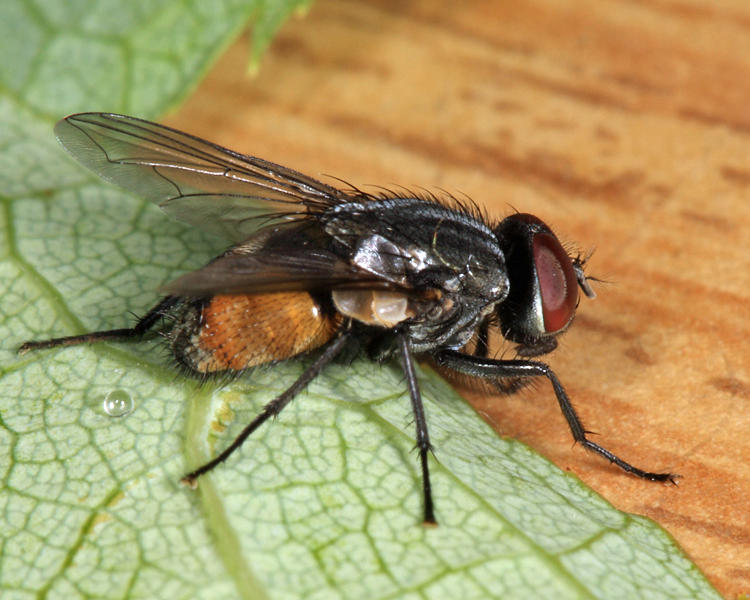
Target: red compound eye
{"type": "Point", "coordinates": [557, 282]}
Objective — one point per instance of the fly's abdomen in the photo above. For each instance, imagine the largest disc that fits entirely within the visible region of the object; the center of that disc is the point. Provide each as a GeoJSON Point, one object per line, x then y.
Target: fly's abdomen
{"type": "Point", "coordinates": [236, 332]}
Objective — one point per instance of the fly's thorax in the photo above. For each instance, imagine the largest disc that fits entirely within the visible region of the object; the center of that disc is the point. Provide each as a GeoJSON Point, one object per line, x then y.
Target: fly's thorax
{"type": "Point", "coordinates": [419, 245]}
{"type": "Point", "coordinates": [401, 237]}
{"type": "Point", "coordinates": [445, 265]}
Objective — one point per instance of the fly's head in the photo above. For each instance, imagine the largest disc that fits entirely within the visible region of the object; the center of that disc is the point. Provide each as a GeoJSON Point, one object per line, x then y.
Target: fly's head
{"type": "Point", "coordinates": [544, 283]}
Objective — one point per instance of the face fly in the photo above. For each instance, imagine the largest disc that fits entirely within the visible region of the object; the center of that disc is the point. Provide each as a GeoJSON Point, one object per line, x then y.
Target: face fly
{"type": "Point", "coordinates": [316, 269]}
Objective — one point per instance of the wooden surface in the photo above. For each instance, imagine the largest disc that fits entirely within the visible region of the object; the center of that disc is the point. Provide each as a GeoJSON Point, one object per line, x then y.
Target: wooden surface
{"type": "Point", "coordinates": [625, 125]}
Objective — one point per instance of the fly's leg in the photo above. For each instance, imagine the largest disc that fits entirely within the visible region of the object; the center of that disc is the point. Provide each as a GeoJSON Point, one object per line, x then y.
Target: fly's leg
{"type": "Point", "coordinates": [423, 438]}
{"type": "Point", "coordinates": [141, 327]}
{"type": "Point", "coordinates": [494, 369]}
{"type": "Point", "coordinates": [273, 408]}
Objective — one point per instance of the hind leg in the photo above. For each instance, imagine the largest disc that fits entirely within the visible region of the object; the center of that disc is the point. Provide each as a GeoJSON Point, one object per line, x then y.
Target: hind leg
{"type": "Point", "coordinates": [142, 326]}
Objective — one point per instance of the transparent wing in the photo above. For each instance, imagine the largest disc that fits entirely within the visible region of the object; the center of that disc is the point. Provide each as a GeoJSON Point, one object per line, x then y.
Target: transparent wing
{"type": "Point", "coordinates": [192, 180]}
{"type": "Point", "coordinates": [275, 259]}
{"type": "Point", "coordinates": [294, 270]}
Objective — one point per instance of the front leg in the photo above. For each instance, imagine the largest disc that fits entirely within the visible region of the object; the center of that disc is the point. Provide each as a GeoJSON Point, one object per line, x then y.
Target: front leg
{"type": "Point", "coordinates": [498, 369]}
{"type": "Point", "coordinates": [423, 438]}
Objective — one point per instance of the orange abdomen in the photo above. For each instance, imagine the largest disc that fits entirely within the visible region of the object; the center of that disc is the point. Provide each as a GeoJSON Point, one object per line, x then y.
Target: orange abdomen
{"type": "Point", "coordinates": [241, 331]}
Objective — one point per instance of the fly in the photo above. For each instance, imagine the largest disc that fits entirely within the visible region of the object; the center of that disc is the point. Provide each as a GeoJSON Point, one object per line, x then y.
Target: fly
{"type": "Point", "coordinates": [317, 269]}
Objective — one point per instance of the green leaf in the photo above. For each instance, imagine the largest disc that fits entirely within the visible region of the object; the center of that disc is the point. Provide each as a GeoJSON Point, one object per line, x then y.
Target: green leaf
{"type": "Point", "coordinates": [136, 57]}
{"type": "Point", "coordinates": [323, 503]}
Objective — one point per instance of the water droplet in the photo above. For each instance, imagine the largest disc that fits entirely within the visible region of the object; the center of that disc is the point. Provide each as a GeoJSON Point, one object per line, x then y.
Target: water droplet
{"type": "Point", "coordinates": [118, 403]}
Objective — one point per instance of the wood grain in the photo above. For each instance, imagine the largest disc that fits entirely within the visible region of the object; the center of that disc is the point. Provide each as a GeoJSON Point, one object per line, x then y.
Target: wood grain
{"type": "Point", "coordinates": [623, 124]}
